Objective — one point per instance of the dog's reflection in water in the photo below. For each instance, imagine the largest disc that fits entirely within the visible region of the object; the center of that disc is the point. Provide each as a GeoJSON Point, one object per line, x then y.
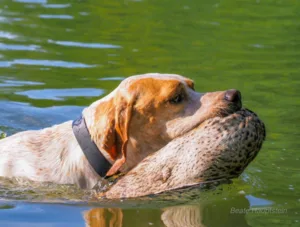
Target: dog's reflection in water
{"type": "Point", "coordinates": [217, 213]}
{"type": "Point", "coordinates": [171, 217]}
{"type": "Point", "coordinates": [182, 216]}
{"type": "Point", "coordinates": [106, 217]}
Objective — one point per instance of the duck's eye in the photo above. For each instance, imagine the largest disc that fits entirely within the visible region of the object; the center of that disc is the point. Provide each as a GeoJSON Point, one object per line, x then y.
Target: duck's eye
{"type": "Point", "coordinates": [177, 99]}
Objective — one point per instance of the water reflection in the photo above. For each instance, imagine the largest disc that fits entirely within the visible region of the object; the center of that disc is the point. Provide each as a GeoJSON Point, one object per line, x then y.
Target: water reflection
{"type": "Point", "coordinates": [7, 35]}
{"type": "Point", "coordinates": [112, 217]}
{"type": "Point", "coordinates": [49, 16]}
{"type": "Point", "coordinates": [218, 213]}
{"type": "Point", "coordinates": [32, 1]}
{"type": "Point", "coordinates": [56, 6]}
{"type": "Point", "coordinates": [19, 47]}
{"type": "Point", "coordinates": [84, 45]}
{"type": "Point", "coordinates": [182, 216]}
{"type": "Point", "coordinates": [249, 45]}
{"type": "Point", "coordinates": [112, 78]}
{"type": "Point", "coordinates": [61, 94]}
{"type": "Point", "coordinates": [50, 63]}
{"type": "Point", "coordinates": [17, 83]}
{"type": "Point", "coordinates": [17, 116]}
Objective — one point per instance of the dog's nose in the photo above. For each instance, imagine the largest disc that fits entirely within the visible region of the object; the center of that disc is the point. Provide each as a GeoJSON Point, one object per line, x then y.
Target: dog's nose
{"type": "Point", "coordinates": [233, 95]}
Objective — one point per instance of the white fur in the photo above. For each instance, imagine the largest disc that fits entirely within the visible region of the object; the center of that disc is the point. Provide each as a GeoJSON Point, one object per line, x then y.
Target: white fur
{"type": "Point", "coordinates": [53, 154]}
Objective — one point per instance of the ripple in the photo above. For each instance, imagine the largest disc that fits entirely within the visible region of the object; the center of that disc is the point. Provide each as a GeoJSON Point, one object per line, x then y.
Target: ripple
{"type": "Point", "coordinates": [5, 64]}
{"type": "Point", "coordinates": [18, 83]}
{"type": "Point", "coordinates": [112, 78]}
{"type": "Point", "coordinates": [9, 20]}
{"type": "Point", "coordinates": [50, 63]}
{"type": "Point", "coordinates": [7, 35]}
{"type": "Point", "coordinates": [32, 1]}
{"type": "Point", "coordinates": [85, 45]}
{"type": "Point", "coordinates": [61, 94]}
{"type": "Point", "coordinates": [4, 46]}
{"type": "Point", "coordinates": [261, 46]}
{"type": "Point", "coordinates": [56, 6]}
{"type": "Point", "coordinates": [62, 16]}
{"type": "Point", "coordinates": [22, 116]}
{"type": "Point", "coordinates": [84, 13]}
{"type": "Point", "coordinates": [4, 19]}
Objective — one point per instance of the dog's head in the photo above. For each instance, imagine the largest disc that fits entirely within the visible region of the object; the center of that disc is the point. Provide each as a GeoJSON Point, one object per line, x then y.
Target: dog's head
{"type": "Point", "coordinates": [145, 112]}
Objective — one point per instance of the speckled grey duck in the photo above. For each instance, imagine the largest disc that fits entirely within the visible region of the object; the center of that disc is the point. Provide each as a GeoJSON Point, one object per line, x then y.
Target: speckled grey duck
{"type": "Point", "coordinates": [219, 148]}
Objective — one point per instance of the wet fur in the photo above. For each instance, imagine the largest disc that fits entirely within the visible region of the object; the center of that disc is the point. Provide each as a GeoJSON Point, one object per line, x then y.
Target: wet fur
{"type": "Point", "coordinates": [114, 122]}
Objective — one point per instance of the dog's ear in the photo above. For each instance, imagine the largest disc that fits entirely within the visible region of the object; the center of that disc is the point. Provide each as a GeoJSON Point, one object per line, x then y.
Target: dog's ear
{"type": "Point", "coordinates": [123, 113]}
{"type": "Point", "coordinates": [110, 130]}
{"type": "Point", "coordinates": [190, 84]}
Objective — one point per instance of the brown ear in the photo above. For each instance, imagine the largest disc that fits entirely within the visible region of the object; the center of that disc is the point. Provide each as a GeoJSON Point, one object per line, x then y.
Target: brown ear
{"type": "Point", "coordinates": [190, 83]}
{"type": "Point", "coordinates": [122, 119]}
{"type": "Point", "coordinates": [112, 123]}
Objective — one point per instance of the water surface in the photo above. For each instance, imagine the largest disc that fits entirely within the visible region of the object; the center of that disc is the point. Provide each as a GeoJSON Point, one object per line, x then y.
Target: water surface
{"type": "Point", "coordinates": [58, 56]}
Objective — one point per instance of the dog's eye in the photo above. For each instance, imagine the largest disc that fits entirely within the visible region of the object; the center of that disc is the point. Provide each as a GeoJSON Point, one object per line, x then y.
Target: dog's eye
{"type": "Point", "coordinates": [177, 99]}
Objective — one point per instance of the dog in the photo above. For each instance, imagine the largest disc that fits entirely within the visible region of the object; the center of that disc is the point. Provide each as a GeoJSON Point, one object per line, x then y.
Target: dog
{"type": "Point", "coordinates": [114, 133]}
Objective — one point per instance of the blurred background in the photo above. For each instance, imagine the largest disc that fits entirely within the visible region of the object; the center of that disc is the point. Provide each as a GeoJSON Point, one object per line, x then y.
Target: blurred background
{"type": "Point", "coordinates": [58, 56]}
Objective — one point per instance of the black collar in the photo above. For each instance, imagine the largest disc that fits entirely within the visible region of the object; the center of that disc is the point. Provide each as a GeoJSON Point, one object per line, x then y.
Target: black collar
{"type": "Point", "coordinates": [89, 148]}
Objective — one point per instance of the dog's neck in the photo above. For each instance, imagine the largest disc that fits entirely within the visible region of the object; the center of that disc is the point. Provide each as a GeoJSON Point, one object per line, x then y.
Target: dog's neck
{"type": "Point", "coordinates": [71, 164]}
{"type": "Point", "coordinates": [89, 116]}
{"type": "Point", "coordinates": [91, 151]}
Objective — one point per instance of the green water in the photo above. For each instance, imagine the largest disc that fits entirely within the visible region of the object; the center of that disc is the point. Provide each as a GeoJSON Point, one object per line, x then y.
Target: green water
{"type": "Point", "coordinates": [57, 57]}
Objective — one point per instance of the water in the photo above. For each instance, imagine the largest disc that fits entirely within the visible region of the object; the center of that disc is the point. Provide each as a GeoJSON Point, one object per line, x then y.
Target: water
{"type": "Point", "coordinates": [58, 56]}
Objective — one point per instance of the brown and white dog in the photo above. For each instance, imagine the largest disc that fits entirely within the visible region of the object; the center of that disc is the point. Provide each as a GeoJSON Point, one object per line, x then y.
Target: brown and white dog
{"type": "Point", "coordinates": [139, 117]}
